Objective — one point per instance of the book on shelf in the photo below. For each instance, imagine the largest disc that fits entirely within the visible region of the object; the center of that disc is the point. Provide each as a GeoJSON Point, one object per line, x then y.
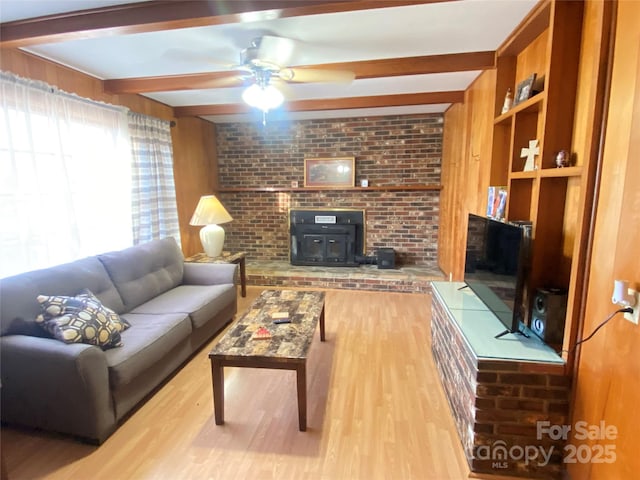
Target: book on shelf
{"type": "Point", "coordinates": [497, 202]}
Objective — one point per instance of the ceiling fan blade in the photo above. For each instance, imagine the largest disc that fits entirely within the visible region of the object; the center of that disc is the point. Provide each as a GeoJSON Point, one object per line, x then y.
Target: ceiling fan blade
{"type": "Point", "coordinates": [311, 75]}
{"type": "Point", "coordinates": [277, 50]}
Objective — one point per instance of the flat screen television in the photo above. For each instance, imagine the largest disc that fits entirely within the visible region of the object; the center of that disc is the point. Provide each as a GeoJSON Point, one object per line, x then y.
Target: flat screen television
{"type": "Point", "coordinates": [496, 268]}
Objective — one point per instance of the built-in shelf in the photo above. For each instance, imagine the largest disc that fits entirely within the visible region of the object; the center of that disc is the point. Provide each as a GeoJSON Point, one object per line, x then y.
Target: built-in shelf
{"type": "Point", "coordinates": [548, 173]}
{"type": "Point", "coordinates": [523, 175]}
{"type": "Point", "coordinates": [561, 172]}
{"type": "Point", "coordinates": [387, 188]}
{"type": "Point", "coordinates": [547, 196]}
{"type": "Point", "coordinates": [530, 105]}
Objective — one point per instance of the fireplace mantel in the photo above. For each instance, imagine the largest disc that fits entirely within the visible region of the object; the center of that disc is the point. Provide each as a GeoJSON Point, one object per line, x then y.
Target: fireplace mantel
{"type": "Point", "coordinates": [387, 188]}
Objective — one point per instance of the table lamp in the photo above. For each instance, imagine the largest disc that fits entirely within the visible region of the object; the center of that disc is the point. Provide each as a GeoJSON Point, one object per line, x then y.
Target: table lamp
{"type": "Point", "coordinates": [211, 214]}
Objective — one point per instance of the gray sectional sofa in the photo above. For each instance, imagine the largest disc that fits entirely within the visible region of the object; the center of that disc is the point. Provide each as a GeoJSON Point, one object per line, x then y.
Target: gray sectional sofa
{"type": "Point", "coordinates": [79, 389]}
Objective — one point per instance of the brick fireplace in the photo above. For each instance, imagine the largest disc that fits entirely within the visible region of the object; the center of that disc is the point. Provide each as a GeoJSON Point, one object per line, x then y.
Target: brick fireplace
{"type": "Point", "coordinates": [257, 165]}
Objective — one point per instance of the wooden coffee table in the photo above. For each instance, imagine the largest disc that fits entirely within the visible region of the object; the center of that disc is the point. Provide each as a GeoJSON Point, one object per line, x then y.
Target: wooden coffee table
{"type": "Point", "coordinates": [286, 349]}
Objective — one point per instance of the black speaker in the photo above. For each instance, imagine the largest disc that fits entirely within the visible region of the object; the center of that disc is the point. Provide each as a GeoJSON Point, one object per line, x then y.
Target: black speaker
{"type": "Point", "coordinates": [386, 258]}
{"type": "Point", "coordinates": [548, 314]}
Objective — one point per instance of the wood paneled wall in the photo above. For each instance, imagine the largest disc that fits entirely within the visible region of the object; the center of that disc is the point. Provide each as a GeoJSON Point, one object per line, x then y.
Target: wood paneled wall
{"type": "Point", "coordinates": [452, 193]}
{"type": "Point", "coordinates": [196, 173]}
{"type": "Point", "coordinates": [606, 387]}
{"type": "Point", "coordinates": [193, 139]}
{"type": "Point", "coordinates": [590, 101]}
{"type": "Point", "coordinates": [466, 169]}
{"type": "Point", "coordinates": [480, 98]}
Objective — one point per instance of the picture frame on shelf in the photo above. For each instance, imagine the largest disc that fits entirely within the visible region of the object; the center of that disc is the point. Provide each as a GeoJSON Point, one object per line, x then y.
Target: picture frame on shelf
{"type": "Point", "coordinates": [338, 172]}
{"type": "Point", "coordinates": [538, 85]}
{"type": "Point", "coordinates": [525, 89]}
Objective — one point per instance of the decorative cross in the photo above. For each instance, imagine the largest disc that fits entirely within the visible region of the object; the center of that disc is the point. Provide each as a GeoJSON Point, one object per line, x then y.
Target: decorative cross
{"type": "Point", "coordinates": [530, 153]}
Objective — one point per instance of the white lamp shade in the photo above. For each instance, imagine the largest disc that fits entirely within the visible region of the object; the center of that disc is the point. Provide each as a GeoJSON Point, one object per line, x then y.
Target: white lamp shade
{"type": "Point", "coordinates": [212, 238]}
{"type": "Point", "coordinates": [210, 211]}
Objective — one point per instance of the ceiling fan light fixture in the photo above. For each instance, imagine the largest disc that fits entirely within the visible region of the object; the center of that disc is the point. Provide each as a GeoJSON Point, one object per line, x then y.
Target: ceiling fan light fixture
{"type": "Point", "coordinates": [264, 98]}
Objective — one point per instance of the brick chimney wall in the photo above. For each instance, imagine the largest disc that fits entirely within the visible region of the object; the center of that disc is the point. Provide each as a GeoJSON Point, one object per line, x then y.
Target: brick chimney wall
{"type": "Point", "coordinates": [388, 151]}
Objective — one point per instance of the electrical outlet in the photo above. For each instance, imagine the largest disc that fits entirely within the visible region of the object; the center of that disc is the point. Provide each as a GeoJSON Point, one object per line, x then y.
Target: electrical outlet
{"type": "Point", "coordinates": [633, 317]}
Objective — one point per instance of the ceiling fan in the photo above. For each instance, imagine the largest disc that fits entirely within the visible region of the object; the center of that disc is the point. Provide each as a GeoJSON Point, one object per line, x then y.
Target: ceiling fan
{"type": "Point", "coordinates": [262, 63]}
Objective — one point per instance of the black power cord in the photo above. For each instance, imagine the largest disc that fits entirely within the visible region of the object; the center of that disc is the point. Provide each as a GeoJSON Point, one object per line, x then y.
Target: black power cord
{"type": "Point", "coordinates": [622, 310]}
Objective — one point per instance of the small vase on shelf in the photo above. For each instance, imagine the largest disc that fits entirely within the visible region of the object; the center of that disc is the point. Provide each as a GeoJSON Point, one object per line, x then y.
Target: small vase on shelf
{"type": "Point", "coordinates": [508, 101]}
{"type": "Point", "coordinates": [563, 159]}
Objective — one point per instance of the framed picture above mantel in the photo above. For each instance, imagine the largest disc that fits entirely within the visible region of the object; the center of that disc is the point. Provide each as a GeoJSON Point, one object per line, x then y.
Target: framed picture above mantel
{"type": "Point", "coordinates": [334, 172]}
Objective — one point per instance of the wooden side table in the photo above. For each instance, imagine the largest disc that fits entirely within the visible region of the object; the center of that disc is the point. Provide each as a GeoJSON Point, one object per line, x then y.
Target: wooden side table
{"type": "Point", "coordinates": [227, 257]}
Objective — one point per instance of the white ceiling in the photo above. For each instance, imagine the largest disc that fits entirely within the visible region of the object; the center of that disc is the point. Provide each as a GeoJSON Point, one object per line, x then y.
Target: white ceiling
{"type": "Point", "coordinates": [422, 29]}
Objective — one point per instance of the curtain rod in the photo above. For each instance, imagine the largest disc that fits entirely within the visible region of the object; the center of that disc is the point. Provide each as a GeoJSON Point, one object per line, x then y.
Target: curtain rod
{"type": "Point", "coordinates": [172, 123]}
{"type": "Point", "coordinates": [45, 87]}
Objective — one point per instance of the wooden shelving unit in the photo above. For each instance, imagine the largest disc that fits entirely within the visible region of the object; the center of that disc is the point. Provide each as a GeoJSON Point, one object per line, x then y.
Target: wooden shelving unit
{"type": "Point", "coordinates": [382, 188]}
{"type": "Point", "coordinates": [546, 43]}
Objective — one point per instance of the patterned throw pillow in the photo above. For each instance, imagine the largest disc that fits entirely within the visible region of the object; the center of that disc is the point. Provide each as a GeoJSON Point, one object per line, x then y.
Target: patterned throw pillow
{"type": "Point", "coordinates": [81, 319]}
{"type": "Point", "coordinates": [120, 323]}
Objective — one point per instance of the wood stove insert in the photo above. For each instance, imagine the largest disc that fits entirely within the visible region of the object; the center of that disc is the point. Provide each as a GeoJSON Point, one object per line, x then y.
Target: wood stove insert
{"type": "Point", "coordinates": [326, 237]}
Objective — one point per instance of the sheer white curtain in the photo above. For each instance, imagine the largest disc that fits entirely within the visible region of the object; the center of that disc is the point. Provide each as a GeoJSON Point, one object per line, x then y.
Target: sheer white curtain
{"type": "Point", "coordinates": [65, 180]}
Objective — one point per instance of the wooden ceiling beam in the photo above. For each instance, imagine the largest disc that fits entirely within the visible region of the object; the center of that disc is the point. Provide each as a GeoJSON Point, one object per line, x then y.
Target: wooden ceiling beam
{"type": "Point", "coordinates": [363, 69]}
{"type": "Point", "coordinates": [170, 14]}
{"type": "Point", "coordinates": [169, 83]}
{"type": "Point", "coordinates": [377, 101]}
{"type": "Point", "coordinates": [394, 67]}
{"type": "Point", "coordinates": [403, 99]}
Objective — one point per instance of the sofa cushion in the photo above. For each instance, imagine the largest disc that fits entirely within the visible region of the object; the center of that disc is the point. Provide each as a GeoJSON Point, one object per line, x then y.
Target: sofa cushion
{"type": "Point", "coordinates": [144, 271]}
{"type": "Point", "coordinates": [19, 307]}
{"type": "Point", "coordinates": [145, 343]}
{"type": "Point", "coordinates": [78, 320]}
{"type": "Point", "coordinates": [200, 302]}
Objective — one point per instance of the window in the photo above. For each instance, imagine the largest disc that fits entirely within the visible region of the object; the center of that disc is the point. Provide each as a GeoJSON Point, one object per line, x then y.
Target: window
{"type": "Point", "coordinates": [65, 188]}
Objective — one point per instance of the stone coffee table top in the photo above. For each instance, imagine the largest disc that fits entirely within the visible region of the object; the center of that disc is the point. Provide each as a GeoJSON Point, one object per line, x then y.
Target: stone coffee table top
{"type": "Point", "coordinates": [288, 340]}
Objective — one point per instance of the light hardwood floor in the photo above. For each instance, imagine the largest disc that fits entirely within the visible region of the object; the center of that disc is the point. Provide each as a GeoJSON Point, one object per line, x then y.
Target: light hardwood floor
{"type": "Point", "coordinates": [376, 411]}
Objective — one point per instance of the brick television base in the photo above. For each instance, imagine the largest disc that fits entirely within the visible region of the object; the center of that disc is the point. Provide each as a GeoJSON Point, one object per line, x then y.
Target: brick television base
{"type": "Point", "coordinates": [497, 402]}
